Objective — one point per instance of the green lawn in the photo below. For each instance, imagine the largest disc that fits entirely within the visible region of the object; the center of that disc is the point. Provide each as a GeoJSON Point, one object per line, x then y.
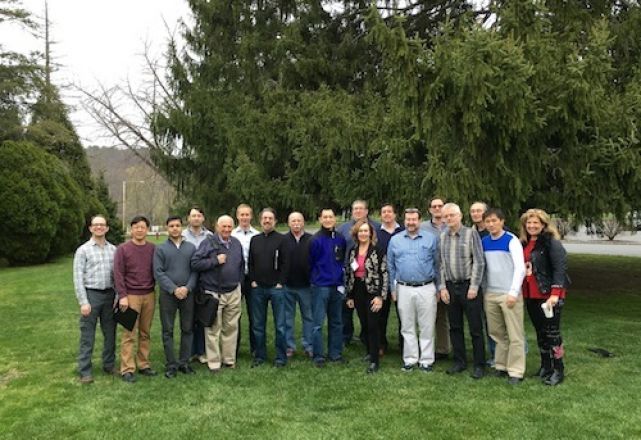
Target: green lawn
{"type": "Point", "coordinates": [40, 396]}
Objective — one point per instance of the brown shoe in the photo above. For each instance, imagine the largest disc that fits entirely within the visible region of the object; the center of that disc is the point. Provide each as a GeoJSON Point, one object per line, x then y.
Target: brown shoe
{"type": "Point", "coordinates": [85, 380]}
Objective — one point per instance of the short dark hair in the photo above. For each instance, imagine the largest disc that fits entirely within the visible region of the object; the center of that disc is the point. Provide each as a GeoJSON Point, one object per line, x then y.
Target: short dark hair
{"type": "Point", "coordinates": [197, 208]}
{"type": "Point", "coordinates": [171, 218]}
{"type": "Point", "coordinates": [437, 197]}
{"type": "Point", "coordinates": [138, 219]}
{"type": "Point", "coordinates": [498, 212]}
{"type": "Point", "coordinates": [391, 205]}
{"type": "Point", "coordinates": [413, 211]}
{"type": "Point", "coordinates": [268, 209]}
{"type": "Point", "coordinates": [320, 212]}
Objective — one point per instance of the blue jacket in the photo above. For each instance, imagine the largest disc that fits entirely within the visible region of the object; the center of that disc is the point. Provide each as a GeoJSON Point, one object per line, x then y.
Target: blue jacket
{"type": "Point", "coordinates": [326, 258]}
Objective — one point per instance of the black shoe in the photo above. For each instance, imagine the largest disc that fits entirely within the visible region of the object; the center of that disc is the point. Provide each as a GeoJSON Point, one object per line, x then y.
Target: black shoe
{"type": "Point", "coordinates": [555, 379]}
{"type": "Point", "coordinates": [129, 377]}
{"type": "Point", "coordinates": [147, 372]}
{"type": "Point", "coordinates": [279, 364]}
{"type": "Point", "coordinates": [320, 363]}
{"type": "Point", "coordinates": [440, 356]}
{"type": "Point", "coordinates": [339, 360]}
{"type": "Point", "coordinates": [214, 371]}
{"type": "Point", "coordinates": [543, 373]}
{"type": "Point", "coordinates": [407, 368]}
{"type": "Point", "coordinates": [514, 380]}
{"type": "Point", "coordinates": [456, 368]}
{"type": "Point", "coordinates": [109, 370]}
{"type": "Point", "coordinates": [478, 373]}
{"type": "Point", "coordinates": [86, 380]}
{"type": "Point", "coordinates": [186, 369]}
{"type": "Point", "coordinates": [500, 373]}
{"type": "Point", "coordinates": [367, 358]}
{"type": "Point", "coordinates": [170, 373]}
{"type": "Point", "coordinates": [257, 363]}
{"type": "Point", "coordinates": [425, 368]}
{"type": "Point", "coordinates": [373, 368]}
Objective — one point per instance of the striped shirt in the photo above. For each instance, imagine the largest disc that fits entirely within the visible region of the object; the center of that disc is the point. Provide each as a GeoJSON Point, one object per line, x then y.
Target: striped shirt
{"type": "Point", "coordinates": [93, 268]}
{"type": "Point", "coordinates": [462, 257]}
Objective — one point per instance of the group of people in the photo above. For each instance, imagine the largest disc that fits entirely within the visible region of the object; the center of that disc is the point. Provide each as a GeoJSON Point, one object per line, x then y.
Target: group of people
{"type": "Point", "coordinates": [439, 273]}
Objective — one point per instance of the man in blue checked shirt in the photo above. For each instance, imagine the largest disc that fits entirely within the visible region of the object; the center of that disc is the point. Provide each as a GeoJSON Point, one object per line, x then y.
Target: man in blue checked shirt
{"type": "Point", "coordinates": [412, 262]}
{"type": "Point", "coordinates": [93, 283]}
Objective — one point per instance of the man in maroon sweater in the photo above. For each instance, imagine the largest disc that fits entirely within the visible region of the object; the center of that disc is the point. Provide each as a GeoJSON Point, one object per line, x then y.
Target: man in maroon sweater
{"type": "Point", "coordinates": [134, 280]}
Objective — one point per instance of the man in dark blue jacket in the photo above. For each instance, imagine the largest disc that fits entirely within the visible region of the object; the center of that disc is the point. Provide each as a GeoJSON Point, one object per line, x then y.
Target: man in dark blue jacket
{"type": "Point", "coordinates": [326, 262]}
{"type": "Point", "coordinates": [221, 265]}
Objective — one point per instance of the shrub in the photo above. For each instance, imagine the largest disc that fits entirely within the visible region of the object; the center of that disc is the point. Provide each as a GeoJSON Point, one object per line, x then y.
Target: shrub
{"type": "Point", "coordinates": [41, 205]}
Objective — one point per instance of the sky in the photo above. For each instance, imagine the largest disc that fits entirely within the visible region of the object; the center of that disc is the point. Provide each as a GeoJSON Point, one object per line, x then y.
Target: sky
{"type": "Point", "coordinates": [97, 41]}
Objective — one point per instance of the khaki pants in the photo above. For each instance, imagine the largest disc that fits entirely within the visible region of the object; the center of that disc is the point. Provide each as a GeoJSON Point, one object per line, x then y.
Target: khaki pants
{"type": "Point", "coordinates": [505, 326]}
{"type": "Point", "coordinates": [221, 338]}
{"type": "Point", "coordinates": [442, 329]}
{"type": "Point", "coordinates": [144, 305]}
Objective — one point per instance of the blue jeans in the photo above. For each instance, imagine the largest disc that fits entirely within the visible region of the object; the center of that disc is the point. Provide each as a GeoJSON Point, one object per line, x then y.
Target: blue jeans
{"type": "Point", "coordinates": [304, 297]}
{"type": "Point", "coordinates": [260, 297]}
{"type": "Point", "coordinates": [327, 301]}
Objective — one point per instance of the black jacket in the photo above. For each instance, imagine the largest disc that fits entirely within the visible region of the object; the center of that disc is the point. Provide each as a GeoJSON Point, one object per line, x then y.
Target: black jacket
{"type": "Point", "coordinates": [376, 277]}
{"type": "Point", "coordinates": [222, 278]}
{"type": "Point", "coordinates": [298, 255]}
{"type": "Point", "coordinates": [549, 263]}
{"type": "Point", "coordinates": [268, 259]}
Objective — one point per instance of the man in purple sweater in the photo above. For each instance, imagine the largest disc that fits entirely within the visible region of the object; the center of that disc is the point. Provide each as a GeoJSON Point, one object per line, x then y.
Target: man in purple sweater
{"type": "Point", "coordinates": [134, 280]}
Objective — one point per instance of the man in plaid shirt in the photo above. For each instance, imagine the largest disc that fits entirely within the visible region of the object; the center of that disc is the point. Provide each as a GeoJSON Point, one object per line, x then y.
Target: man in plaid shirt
{"type": "Point", "coordinates": [462, 266]}
{"type": "Point", "coordinates": [93, 283]}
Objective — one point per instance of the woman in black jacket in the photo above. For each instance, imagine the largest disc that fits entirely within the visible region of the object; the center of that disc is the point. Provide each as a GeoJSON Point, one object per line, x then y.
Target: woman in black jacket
{"type": "Point", "coordinates": [366, 285]}
{"type": "Point", "coordinates": [544, 289]}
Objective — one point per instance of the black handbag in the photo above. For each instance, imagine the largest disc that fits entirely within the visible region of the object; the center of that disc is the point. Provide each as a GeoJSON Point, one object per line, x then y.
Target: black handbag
{"type": "Point", "coordinates": [206, 308]}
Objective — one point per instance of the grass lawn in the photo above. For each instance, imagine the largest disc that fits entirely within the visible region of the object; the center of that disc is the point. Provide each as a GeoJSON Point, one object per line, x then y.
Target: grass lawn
{"type": "Point", "coordinates": [40, 396]}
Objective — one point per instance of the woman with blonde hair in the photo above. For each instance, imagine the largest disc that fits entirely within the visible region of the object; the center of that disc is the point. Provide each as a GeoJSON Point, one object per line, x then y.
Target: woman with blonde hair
{"type": "Point", "coordinates": [544, 289]}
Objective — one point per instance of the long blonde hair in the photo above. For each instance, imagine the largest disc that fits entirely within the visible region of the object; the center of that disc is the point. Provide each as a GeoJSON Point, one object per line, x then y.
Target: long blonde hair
{"type": "Point", "coordinates": [544, 217]}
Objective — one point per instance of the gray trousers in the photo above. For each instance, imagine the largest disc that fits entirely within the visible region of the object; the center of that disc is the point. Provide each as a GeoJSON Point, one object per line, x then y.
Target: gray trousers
{"type": "Point", "coordinates": [101, 302]}
{"type": "Point", "coordinates": [169, 304]}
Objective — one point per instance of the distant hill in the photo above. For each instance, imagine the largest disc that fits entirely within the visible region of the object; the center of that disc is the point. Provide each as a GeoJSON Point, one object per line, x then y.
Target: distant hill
{"type": "Point", "coordinates": [147, 192]}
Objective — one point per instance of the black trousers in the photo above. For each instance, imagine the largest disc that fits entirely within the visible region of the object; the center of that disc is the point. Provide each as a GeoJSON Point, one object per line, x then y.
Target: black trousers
{"type": "Point", "coordinates": [472, 309]}
{"type": "Point", "coordinates": [548, 333]}
{"type": "Point", "coordinates": [246, 291]}
{"type": "Point", "coordinates": [369, 320]}
{"type": "Point", "coordinates": [169, 305]}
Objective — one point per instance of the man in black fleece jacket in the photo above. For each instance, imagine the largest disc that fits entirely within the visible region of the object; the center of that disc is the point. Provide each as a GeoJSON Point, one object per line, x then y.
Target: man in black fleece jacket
{"type": "Point", "coordinates": [268, 269]}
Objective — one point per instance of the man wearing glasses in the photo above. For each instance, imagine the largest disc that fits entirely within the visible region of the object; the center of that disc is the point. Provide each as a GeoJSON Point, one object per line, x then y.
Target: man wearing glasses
{"type": "Point", "coordinates": [93, 284]}
{"type": "Point", "coordinates": [412, 263]}
{"type": "Point", "coordinates": [436, 225]}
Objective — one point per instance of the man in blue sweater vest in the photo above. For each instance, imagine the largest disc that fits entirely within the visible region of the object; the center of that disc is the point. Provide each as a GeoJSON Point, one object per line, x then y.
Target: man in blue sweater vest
{"type": "Point", "coordinates": [326, 262]}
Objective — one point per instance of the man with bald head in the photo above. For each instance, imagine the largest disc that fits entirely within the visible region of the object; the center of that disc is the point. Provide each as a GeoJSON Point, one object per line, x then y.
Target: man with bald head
{"type": "Point", "coordinates": [221, 265]}
{"type": "Point", "coordinates": [297, 284]}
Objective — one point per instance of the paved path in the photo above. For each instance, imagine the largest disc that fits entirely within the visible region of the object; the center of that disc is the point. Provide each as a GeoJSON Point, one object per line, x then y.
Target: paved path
{"type": "Point", "coordinates": [630, 250]}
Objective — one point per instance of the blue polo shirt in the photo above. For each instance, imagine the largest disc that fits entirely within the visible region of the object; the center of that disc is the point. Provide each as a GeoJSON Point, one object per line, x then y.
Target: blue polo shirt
{"type": "Point", "coordinates": [413, 259]}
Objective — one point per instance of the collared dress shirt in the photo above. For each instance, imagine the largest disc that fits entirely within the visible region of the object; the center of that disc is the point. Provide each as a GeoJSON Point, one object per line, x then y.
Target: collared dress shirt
{"type": "Point", "coordinates": [93, 268]}
{"type": "Point", "coordinates": [245, 237]}
{"type": "Point", "coordinates": [413, 259]}
{"type": "Point", "coordinates": [196, 239]}
{"type": "Point", "coordinates": [461, 257]}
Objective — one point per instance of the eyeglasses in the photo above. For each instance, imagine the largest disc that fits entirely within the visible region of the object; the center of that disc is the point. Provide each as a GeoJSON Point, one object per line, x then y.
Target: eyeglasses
{"type": "Point", "coordinates": [412, 211]}
{"type": "Point", "coordinates": [102, 225]}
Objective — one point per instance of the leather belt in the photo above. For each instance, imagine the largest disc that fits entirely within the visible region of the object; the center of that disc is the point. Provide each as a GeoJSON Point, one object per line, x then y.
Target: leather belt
{"type": "Point", "coordinates": [415, 283]}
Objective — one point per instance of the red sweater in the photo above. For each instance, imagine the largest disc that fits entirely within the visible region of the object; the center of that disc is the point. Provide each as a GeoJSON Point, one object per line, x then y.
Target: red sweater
{"type": "Point", "coordinates": [133, 269]}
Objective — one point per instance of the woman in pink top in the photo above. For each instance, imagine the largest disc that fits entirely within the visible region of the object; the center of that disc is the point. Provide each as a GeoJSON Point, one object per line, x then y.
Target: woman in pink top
{"type": "Point", "coordinates": [366, 285]}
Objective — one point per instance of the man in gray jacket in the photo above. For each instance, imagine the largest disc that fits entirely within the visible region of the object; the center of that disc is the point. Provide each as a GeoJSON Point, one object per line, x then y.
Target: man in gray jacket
{"type": "Point", "coordinates": [172, 271]}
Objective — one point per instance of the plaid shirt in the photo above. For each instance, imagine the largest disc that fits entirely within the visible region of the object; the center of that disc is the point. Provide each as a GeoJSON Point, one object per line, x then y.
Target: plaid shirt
{"type": "Point", "coordinates": [93, 268]}
{"type": "Point", "coordinates": [462, 257]}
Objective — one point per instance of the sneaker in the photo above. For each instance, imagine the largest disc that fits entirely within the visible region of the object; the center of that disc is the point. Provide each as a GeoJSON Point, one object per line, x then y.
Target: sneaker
{"type": "Point", "coordinates": [407, 368]}
{"type": "Point", "coordinates": [425, 368]}
{"type": "Point", "coordinates": [86, 380]}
